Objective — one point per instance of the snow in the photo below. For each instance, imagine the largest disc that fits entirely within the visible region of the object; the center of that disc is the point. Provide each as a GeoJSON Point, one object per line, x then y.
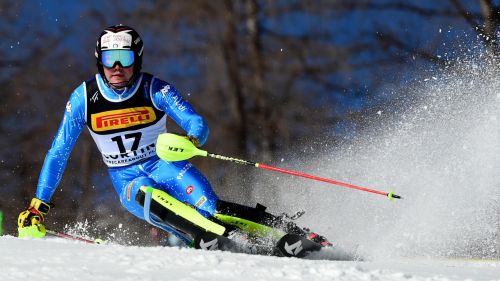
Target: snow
{"type": "Point", "coordinates": [440, 153]}
{"type": "Point", "coordinates": [60, 259]}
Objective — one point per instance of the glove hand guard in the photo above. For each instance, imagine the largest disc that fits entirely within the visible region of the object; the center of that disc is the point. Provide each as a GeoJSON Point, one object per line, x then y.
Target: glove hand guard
{"type": "Point", "coordinates": [194, 140]}
{"type": "Point", "coordinates": [30, 222]}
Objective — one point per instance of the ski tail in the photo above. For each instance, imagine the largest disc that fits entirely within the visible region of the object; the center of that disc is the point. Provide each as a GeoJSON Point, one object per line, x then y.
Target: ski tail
{"type": "Point", "coordinates": [293, 245]}
{"type": "Point", "coordinates": [211, 241]}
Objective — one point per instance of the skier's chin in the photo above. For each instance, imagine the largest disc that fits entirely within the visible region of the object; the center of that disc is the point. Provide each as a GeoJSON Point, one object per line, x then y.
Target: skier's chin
{"type": "Point", "coordinates": [118, 83]}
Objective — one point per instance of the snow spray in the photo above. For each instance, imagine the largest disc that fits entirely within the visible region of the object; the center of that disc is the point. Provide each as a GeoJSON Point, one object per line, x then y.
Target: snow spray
{"type": "Point", "coordinates": [437, 145]}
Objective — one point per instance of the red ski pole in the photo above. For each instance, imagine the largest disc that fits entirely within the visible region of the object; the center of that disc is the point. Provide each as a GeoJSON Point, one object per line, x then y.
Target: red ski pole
{"type": "Point", "coordinates": [72, 237]}
{"type": "Point", "coordinates": [389, 195]}
{"type": "Point", "coordinates": [171, 147]}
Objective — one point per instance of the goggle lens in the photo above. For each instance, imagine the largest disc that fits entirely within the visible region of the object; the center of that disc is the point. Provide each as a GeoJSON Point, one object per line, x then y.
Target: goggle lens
{"type": "Point", "coordinates": [123, 57]}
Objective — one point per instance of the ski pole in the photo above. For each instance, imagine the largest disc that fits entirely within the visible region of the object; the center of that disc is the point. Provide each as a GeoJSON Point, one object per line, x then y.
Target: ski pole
{"type": "Point", "coordinates": [172, 147]}
{"type": "Point", "coordinates": [72, 237]}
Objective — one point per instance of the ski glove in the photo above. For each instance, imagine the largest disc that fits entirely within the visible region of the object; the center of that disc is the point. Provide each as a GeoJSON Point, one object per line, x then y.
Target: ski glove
{"type": "Point", "coordinates": [30, 222]}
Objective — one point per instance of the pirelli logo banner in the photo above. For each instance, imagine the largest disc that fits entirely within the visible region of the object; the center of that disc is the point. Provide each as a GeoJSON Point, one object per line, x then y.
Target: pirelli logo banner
{"type": "Point", "coordinates": [122, 118]}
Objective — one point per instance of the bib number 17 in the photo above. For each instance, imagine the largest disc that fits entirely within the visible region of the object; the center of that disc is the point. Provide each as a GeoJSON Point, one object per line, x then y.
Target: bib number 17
{"type": "Point", "coordinates": [135, 144]}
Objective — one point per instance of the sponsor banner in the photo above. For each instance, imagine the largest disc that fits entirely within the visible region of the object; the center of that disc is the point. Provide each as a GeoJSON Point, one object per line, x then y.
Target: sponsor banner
{"type": "Point", "coordinates": [122, 118]}
{"type": "Point", "coordinates": [123, 159]}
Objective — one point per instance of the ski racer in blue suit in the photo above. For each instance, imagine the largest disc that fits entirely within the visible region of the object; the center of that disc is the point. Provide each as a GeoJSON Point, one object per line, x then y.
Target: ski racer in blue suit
{"type": "Point", "coordinates": [125, 110]}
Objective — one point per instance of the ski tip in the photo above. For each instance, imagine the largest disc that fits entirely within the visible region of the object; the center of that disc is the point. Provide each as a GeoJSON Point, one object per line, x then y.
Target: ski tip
{"type": "Point", "coordinates": [99, 241]}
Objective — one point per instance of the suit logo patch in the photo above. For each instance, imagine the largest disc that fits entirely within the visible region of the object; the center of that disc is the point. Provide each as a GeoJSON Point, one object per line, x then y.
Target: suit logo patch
{"type": "Point", "coordinates": [200, 202]}
{"type": "Point", "coordinates": [68, 107]}
{"type": "Point", "coordinates": [122, 118]}
{"type": "Point", "coordinates": [129, 187]}
{"type": "Point", "coordinates": [95, 96]}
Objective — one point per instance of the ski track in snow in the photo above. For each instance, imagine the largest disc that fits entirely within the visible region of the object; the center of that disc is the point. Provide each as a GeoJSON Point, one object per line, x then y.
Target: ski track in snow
{"type": "Point", "coordinates": [58, 259]}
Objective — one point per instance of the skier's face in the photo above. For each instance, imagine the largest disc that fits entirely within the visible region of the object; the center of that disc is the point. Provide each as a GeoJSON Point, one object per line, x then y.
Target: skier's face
{"type": "Point", "coordinates": [118, 76]}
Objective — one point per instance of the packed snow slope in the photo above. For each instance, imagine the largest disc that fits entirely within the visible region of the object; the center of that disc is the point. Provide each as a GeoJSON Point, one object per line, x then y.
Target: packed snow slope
{"type": "Point", "coordinates": [62, 260]}
{"type": "Point", "coordinates": [437, 146]}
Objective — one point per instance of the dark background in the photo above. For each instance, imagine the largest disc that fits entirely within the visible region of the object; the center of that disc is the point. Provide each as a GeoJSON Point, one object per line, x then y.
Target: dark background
{"type": "Point", "coordinates": [267, 75]}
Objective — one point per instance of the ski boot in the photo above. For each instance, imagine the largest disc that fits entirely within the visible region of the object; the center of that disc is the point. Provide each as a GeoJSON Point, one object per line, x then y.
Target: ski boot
{"type": "Point", "coordinates": [290, 239]}
{"type": "Point", "coordinates": [316, 238]}
{"type": "Point", "coordinates": [313, 236]}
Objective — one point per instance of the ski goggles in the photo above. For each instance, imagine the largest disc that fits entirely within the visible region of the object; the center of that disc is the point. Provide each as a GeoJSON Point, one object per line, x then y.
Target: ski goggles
{"type": "Point", "coordinates": [125, 58]}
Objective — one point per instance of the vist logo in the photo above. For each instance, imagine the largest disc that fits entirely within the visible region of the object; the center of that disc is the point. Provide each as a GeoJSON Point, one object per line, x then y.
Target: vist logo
{"type": "Point", "coordinates": [120, 40]}
{"type": "Point", "coordinates": [122, 118]}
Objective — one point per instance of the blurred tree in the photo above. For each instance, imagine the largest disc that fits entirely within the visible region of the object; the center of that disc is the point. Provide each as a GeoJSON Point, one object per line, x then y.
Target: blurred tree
{"type": "Point", "coordinates": [425, 35]}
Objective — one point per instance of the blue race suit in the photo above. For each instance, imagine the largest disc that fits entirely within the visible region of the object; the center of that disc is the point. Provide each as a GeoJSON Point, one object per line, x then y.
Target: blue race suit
{"type": "Point", "coordinates": [124, 124]}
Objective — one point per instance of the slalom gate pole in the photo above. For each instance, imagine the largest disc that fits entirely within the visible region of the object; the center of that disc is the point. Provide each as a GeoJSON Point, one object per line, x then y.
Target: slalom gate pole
{"type": "Point", "coordinates": [73, 237]}
{"type": "Point", "coordinates": [1, 223]}
{"type": "Point", "coordinates": [172, 147]}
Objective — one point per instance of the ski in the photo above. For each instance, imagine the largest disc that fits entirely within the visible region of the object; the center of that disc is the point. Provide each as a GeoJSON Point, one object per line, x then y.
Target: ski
{"type": "Point", "coordinates": [211, 241]}
{"type": "Point", "coordinates": [215, 234]}
{"type": "Point", "coordinates": [290, 245]}
{"type": "Point", "coordinates": [293, 245]}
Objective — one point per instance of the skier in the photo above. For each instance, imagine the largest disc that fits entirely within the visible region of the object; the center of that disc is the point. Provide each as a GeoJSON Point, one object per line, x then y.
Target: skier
{"type": "Point", "coordinates": [125, 110]}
